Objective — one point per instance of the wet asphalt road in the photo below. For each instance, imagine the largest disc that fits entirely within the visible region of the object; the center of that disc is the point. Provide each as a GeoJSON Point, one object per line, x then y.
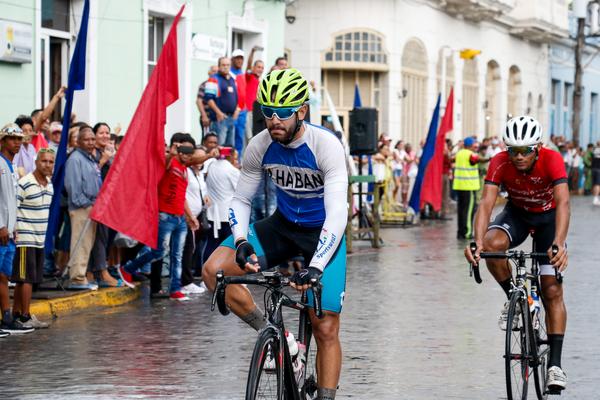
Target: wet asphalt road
{"type": "Point", "coordinates": [414, 326]}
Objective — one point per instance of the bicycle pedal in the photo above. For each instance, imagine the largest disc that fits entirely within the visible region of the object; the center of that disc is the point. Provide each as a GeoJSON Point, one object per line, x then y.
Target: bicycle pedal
{"type": "Point", "coordinates": [553, 391]}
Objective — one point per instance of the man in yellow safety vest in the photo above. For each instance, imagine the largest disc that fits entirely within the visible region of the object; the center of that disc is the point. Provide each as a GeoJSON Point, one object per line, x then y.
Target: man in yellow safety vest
{"type": "Point", "coordinates": [466, 184]}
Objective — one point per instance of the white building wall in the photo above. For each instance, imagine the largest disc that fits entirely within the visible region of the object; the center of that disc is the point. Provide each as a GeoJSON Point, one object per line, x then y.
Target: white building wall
{"type": "Point", "coordinates": [399, 20]}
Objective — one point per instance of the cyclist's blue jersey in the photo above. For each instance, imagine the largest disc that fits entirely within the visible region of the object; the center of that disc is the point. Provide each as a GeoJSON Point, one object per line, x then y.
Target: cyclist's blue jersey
{"type": "Point", "coordinates": [298, 180]}
{"type": "Point", "coordinates": [311, 180]}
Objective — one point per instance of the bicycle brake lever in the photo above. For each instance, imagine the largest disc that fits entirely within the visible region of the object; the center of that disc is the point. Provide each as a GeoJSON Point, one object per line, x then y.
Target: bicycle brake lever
{"type": "Point", "coordinates": [220, 277]}
{"type": "Point", "coordinates": [213, 300]}
{"type": "Point", "coordinates": [316, 289]}
{"type": "Point", "coordinates": [474, 270]}
{"type": "Point", "coordinates": [557, 273]}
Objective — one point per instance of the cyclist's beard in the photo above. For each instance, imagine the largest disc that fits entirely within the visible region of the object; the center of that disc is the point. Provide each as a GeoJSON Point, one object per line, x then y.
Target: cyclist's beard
{"type": "Point", "coordinates": [290, 132]}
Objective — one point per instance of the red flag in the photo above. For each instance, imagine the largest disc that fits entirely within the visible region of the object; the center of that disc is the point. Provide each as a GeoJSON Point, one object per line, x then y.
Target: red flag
{"type": "Point", "coordinates": [431, 191]}
{"type": "Point", "coordinates": [128, 200]}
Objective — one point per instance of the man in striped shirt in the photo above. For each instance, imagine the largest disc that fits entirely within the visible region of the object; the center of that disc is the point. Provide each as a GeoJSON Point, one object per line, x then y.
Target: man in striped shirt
{"type": "Point", "coordinates": [34, 195]}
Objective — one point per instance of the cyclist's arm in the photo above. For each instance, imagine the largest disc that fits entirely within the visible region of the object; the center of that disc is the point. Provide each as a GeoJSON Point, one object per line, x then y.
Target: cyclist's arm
{"type": "Point", "coordinates": [484, 211]}
{"type": "Point", "coordinates": [333, 164]}
{"type": "Point", "coordinates": [563, 213]}
{"type": "Point", "coordinates": [558, 174]}
{"type": "Point", "coordinates": [239, 209]}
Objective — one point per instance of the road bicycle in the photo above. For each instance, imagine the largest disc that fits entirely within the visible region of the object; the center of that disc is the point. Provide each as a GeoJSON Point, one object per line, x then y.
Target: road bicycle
{"type": "Point", "coordinates": [274, 373]}
{"type": "Point", "coordinates": [526, 350]}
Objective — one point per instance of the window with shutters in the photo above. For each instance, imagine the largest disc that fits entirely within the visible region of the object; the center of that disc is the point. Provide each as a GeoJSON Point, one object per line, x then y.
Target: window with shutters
{"type": "Point", "coordinates": [414, 92]}
{"type": "Point", "coordinates": [514, 92]}
{"type": "Point", "coordinates": [470, 101]}
{"type": "Point", "coordinates": [356, 49]}
{"type": "Point", "coordinates": [356, 57]}
{"type": "Point", "coordinates": [492, 101]}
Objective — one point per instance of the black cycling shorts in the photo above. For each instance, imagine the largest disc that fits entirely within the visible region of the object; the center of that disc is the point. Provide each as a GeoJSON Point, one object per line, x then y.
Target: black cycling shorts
{"type": "Point", "coordinates": [518, 224]}
{"type": "Point", "coordinates": [595, 176]}
{"type": "Point", "coordinates": [276, 240]}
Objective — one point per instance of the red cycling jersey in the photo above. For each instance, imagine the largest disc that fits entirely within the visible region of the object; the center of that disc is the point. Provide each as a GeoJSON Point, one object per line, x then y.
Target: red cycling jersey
{"type": "Point", "coordinates": [533, 190]}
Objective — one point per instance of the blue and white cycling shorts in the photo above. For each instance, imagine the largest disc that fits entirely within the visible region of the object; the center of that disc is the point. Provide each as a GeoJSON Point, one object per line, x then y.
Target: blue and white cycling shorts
{"type": "Point", "coordinates": [276, 240]}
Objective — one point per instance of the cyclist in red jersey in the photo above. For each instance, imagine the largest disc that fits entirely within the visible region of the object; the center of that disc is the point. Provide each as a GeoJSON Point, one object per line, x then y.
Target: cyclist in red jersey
{"type": "Point", "coordinates": [538, 199]}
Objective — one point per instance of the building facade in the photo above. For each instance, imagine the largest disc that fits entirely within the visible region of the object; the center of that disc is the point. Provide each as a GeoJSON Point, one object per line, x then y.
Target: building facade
{"type": "Point", "coordinates": [124, 42]}
{"type": "Point", "coordinates": [403, 53]}
{"type": "Point", "coordinates": [562, 77]}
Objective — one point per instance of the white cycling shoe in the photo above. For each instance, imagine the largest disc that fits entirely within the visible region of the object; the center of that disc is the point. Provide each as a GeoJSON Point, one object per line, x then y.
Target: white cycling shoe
{"type": "Point", "coordinates": [556, 379]}
{"type": "Point", "coordinates": [502, 320]}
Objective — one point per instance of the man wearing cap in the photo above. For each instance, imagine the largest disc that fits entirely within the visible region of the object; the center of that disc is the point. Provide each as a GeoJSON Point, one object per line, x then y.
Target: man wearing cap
{"type": "Point", "coordinates": [237, 70]}
{"type": "Point", "coordinates": [221, 95]}
{"type": "Point", "coordinates": [466, 184]}
{"type": "Point", "coordinates": [493, 149]}
{"type": "Point", "coordinates": [11, 137]}
{"type": "Point", "coordinates": [54, 138]}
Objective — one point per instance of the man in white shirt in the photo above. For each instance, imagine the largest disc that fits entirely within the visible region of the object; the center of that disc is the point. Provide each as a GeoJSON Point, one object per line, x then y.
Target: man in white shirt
{"type": "Point", "coordinates": [196, 197]}
{"type": "Point", "coordinates": [221, 180]}
{"type": "Point", "coordinates": [493, 149]}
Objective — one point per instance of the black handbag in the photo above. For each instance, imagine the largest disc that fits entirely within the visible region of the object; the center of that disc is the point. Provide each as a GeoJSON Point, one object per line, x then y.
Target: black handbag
{"type": "Point", "coordinates": [203, 221]}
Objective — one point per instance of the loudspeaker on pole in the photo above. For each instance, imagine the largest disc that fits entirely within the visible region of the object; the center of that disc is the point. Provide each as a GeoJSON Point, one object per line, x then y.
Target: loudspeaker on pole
{"type": "Point", "coordinates": [362, 133]}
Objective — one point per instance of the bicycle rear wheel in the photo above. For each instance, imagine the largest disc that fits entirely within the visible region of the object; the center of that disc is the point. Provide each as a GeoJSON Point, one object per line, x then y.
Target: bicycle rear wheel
{"type": "Point", "coordinates": [265, 377]}
{"type": "Point", "coordinates": [517, 355]}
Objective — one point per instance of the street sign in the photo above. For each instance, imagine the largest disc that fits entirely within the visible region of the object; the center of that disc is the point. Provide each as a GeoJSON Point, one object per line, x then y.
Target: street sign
{"type": "Point", "coordinates": [208, 48]}
{"type": "Point", "coordinates": [16, 40]}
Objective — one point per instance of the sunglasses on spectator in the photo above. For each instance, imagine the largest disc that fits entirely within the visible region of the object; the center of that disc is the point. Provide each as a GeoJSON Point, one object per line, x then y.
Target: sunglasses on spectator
{"type": "Point", "coordinates": [46, 150]}
{"type": "Point", "coordinates": [282, 113]}
{"type": "Point", "coordinates": [185, 150]}
{"type": "Point", "coordinates": [524, 150]}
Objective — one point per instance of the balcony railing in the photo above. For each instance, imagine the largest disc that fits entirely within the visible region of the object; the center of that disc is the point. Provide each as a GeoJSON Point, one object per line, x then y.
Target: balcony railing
{"type": "Point", "coordinates": [478, 10]}
{"type": "Point", "coordinates": [540, 20]}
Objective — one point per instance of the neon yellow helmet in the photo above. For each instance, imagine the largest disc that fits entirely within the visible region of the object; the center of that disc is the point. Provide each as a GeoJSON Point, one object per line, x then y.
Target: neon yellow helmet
{"type": "Point", "coordinates": [283, 88]}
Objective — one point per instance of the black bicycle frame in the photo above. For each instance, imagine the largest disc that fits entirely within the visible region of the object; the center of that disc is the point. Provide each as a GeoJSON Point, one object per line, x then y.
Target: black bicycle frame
{"type": "Point", "coordinates": [274, 282]}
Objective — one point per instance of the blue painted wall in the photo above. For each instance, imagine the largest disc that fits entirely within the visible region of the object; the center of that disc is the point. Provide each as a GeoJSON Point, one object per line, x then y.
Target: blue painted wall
{"type": "Point", "coordinates": [562, 75]}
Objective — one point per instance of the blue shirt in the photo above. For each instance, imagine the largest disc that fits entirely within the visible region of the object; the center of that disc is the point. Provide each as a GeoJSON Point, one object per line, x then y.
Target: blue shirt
{"type": "Point", "coordinates": [82, 180]}
{"type": "Point", "coordinates": [224, 92]}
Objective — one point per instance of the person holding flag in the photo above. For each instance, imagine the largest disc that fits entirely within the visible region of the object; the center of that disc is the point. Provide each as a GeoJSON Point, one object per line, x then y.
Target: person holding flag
{"type": "Point", "coordinates": [76, 81]}
{"type": "Point", "coordinates": [174, 213]}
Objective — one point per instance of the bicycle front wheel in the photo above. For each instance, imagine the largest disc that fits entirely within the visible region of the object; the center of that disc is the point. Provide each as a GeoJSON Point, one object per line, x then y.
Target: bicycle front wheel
{"type": "Point", "coordinates": [309, 383]}
{"type": "Point", "coordinates": [265, 377]}
{"type": "Point", "coordinates": [517, 355]}
{"type": "Point", "coordinates": [540, 350]}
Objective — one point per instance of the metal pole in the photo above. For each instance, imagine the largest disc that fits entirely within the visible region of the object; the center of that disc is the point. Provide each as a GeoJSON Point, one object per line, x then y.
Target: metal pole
{"type": "Point", "coordinates": [360, 191]}
{"type": "Point", "coordinates": [86, 226]}
{"type": "Point", "coordinates": [443, 88]}
{"type": "Point", "coordinates": [577, 93]}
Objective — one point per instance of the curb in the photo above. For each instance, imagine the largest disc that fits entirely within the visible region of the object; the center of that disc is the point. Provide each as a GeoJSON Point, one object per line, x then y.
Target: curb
{"type": "Point", "coordinates": [109, 297]}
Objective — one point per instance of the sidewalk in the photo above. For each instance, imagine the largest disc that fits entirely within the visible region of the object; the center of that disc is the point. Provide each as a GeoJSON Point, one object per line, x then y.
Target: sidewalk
{"type": "Point", "coordinates": [49, 302]}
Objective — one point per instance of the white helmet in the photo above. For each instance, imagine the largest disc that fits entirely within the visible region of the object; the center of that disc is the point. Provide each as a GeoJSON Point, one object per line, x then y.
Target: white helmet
{"type": "Point", "coordinates": [522, 131]}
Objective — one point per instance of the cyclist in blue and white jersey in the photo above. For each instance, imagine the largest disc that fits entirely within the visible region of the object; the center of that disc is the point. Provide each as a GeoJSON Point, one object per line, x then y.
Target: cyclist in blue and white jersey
{"type": "Point", "coordinates": [307, 165]}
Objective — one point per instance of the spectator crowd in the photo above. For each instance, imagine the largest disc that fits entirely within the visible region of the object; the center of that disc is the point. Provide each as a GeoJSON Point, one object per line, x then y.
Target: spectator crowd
{"type": "Point", "coordinates": [396, 167]}
{"type": "Point", "coordinates": [194, 193]}
{"type": "Point", "coordinates": [194, 196]}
